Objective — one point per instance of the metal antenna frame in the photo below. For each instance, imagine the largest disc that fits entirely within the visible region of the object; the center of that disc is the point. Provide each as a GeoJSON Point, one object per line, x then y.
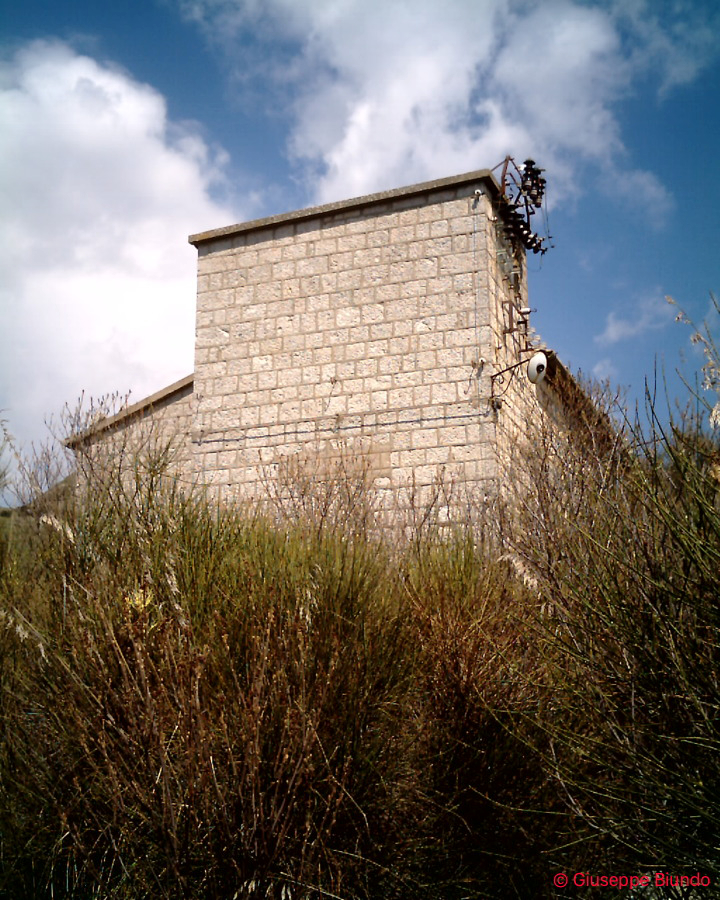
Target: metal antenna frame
{"type": "Point", "coordinates": [522, 193]}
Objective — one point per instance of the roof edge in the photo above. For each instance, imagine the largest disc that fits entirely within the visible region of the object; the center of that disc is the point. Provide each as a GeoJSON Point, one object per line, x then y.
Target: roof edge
{"type": "Point", "coordinates": [132, 411]}
{"type": "Point", "coordinates": [340, 205]}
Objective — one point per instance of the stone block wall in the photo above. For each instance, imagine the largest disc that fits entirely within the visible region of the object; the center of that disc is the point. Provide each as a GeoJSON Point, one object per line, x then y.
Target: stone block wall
{"type": "Point", "coordinates": [137, 436]}
{"type": "Point", "coordinates": [513, 398]}
{"type": "Point", "coordinates": [369, 327]}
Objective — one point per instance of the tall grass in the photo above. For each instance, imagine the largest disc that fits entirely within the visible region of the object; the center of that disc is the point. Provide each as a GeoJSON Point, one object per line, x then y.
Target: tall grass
{"type": "Point", "coordinates": [204, 701]}
{"type": "Point", "coordinates": [194, 701]}
{"type": "Point", "coordinates": [201, 701]}
{"type": "Point", "coordinates": [624, 548]}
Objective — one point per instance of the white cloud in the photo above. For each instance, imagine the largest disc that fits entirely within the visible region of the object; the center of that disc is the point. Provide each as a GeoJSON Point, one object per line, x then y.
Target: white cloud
{"type": "Point", "coordinates": [605, 369]}
{"type": "Point", "coordinates": [100, 191]}
{"type": "Point", "coordinates": [650, 314]}
{"type": "Point", "coordinates": [388, 93]}
{"type": "Point", "coordinates": [678, 47]}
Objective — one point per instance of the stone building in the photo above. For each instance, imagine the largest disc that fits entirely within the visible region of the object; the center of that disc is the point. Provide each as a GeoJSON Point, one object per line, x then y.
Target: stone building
{"type": "Point", "coordinates": [379, 329]}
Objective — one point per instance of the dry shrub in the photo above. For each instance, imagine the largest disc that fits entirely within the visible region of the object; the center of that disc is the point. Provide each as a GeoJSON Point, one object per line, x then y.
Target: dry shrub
{"type": "Point", "coordinates": [491, 811]}
{"type": "Point", "coordinates": [327, 492]}
{"type": "Point", "coordinates": [203, 702]}
{"type": "Point", "coordinates": [289, 702]}
{"type": "Point", "coordinates": [197, 705]}
{"type": "Point", "coordinates": [623, 544]}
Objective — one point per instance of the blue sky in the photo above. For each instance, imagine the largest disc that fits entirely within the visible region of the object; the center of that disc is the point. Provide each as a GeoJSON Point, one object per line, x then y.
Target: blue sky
{"type": "Point", "coordinates": [124, 127]}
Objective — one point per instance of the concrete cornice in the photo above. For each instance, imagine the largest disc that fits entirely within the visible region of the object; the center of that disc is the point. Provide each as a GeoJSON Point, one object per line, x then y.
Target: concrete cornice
{"type": "Point", "coordinates": [314, 212]}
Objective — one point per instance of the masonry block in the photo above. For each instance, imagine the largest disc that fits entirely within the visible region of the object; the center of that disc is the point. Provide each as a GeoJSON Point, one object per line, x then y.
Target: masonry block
{"type": "Point", "coordinates": [357, 322]}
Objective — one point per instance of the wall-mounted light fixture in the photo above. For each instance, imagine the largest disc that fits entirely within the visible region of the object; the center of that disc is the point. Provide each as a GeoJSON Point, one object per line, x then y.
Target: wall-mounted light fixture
{"type": "Point", "coordinates": [537, 366]}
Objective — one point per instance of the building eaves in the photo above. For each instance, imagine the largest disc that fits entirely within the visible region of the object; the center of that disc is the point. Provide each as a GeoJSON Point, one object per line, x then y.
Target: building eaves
{"type": "Point", "coordinates": [135, 411]}
{"type": "Point", "coordinates": [481, 175]}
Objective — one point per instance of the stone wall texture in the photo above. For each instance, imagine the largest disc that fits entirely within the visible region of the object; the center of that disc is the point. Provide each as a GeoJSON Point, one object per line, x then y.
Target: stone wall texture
{"type": "Point", "coordinates": [370, 331]}
{"type": "Point", "coordinates": [139, 435]}
{"type": "Point", "coordinates": [370, 328]}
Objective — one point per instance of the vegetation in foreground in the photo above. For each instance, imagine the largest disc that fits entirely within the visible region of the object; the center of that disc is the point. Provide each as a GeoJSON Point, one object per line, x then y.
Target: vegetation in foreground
{"type": "Point", "coordinates": [203, 702]}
